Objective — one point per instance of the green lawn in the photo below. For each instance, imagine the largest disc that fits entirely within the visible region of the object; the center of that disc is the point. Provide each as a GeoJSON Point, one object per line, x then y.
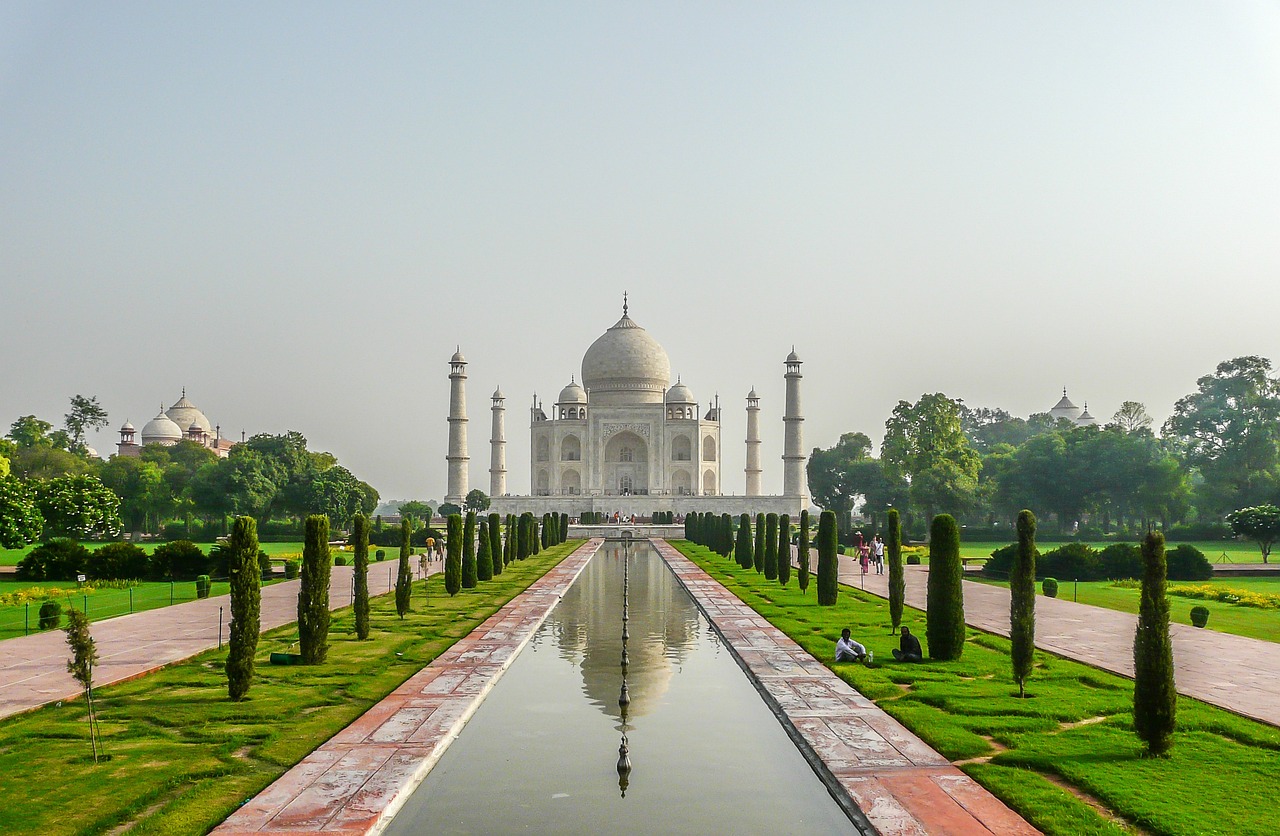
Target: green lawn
{"type": "Point", "coordinates": [182, 756]}
{"type": "Point", "coordinates": [1251, 622]}
{"type": "Point", "coordinates": [1236, 551]}
{"type": "Point", "coordinates": [10, 557]}
{"type": "Point", "coordinates": [1222, 777]}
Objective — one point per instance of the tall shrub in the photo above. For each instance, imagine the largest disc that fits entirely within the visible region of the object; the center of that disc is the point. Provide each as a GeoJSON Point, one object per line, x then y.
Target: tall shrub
{"type": "Point", "coordinates": [509, 545]}
{"type": "Point", "coordinates": [944, 618]}
{"type": "Point", "coordinates": [495, 544]}
{"type": "Point", "coordinates": [484, 554]}
{"type": "Point", "coordinates": [1155, 699]}
{"type": "Point", "coordinates": [564, 527]}
{"type": "Point", "coordinates": [313, 593]}
{"type": "Point", "coordinates": [469, 575]}
{"type": "Point", "coordinates": [360, 539]}
{"type": "Point", "coordinates": [802, 574]}
{"type": "Point", "coordinates": [742, 550]}
{"type": "Point", "coordinates": [771, 547]}
{"type": "Point", "coordinates": [84, 655]}
{"type": "Point", "coordinates": [524, 543]}
{"type": "Point", "coordinates": [546, 532]}
{"type": "Point", "coordinates": [453, 557]}
{"type": "Point", "coordinates": [1022, 602]}
{"type": "Point", "coordinates": [535, 536]}
{"type": "Point", "coordinates": [246, 603]}
{"type": "Point", "coordinates": [758, 556]}
{"type": "Point", "coordinates": [897, 578]}
{"type": "Point", "coordinates": [726, 535]}
{"type": "Point", "coordinates": [784, 549]}
{"type": "Point", "coordinates": [828, 560]}
{"type": "Point", "coordinates": [404, 572]}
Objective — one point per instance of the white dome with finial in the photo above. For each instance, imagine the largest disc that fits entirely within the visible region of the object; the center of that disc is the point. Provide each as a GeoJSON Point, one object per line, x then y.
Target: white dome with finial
{"type": "Point", "coordinates": [680, 394]}
{"type": "Point", "coordinates": [1065, 409]}
{"type": "Point", "coordinates": [184, 413]}
{"type": "Point", "coordinates": [572, 394]}
{"type": "Point", "coordinates": [161, 430]}
{"type": "Point", "coordinates": [626, 365]}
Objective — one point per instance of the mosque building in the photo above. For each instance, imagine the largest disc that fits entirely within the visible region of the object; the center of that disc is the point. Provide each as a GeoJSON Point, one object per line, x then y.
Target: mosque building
{"type": "Point", "coordinates": [622, 438]}
{"type": "Point", "coordinates": [1066, 409]}
{"type": "Point", "coordinates": [182, 421]}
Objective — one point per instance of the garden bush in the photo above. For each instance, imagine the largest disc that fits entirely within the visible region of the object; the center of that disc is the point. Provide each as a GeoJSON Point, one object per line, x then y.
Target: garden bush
{"type": "Point", "coordinates": [1050, 588]}
{"type": "Point", "coordinates": [1119, 561]}
{"type": "Point", "coordinates": [1074, 561]}
{"type": "Point", "coordinates": [380, 554]}
{"type": "Point", "coordinates": [50, 615]}
{"type": "Point", "coordinates": [60, 559]}
{"type": "Point", "coordinates": [180, 560]}
{"type": "Point", "coordinates": [202, 586]}
{"type": "Point", "coordinates": [913, 560]}
{"type": "Point", "coordinates": [1187, 563]}
{"type": "Point", "coordinates": [118, 561]}
{"type": "Point", "coordinates": [944, 615]}
{"type": "Point", "coordinates": [340, 560]}
{"type": "Point", "coordinates": [292, 567]}
{"type": "Point", "coordinates": [1199, 615]}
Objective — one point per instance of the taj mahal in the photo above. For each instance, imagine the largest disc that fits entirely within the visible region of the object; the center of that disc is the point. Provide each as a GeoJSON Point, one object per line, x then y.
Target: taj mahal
{"type": "Point", "coordinates": [621, 438]}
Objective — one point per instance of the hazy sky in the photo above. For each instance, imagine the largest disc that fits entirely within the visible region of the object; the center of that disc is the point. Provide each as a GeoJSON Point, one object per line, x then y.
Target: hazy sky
{"type": "Point", "coordinates": [296, 211]}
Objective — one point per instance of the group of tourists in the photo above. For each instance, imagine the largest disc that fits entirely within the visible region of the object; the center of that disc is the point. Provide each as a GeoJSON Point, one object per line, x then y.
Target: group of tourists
{"type": "Point", "coordinates": [870, 554]}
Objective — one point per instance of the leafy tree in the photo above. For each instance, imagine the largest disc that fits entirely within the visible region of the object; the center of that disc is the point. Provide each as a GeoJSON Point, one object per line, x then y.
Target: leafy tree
{"type": "Point", "coordinates": [313, 592]}
{"type": "Point", "coordinates": [140, 484]}
{"type": "Point", "coordinates": [1022, 602]}
{"type": "Point", "coordinates": [469, 579]}
{"type": "Point", "coordinates": [453, 560]}
{"type": "Point", "coordinates": [78, 506]}
{"type": "Point", "coordinates": [84, 655]}
{"type": "Point", "coordinates": [987, 428]}
{"type": "Point", "coordinates": [828, 560]}
{"type": "Point", "coordinates": [48, 461]}
{"type": "Point", "coordinates": [758, 554]}
{"type": "Point", "coordinates": [404, 572]}
{"type": "Point", "coordinates": [1229, 430]}
{"type": "Point", "coordinates": [58, 559]}
{"type": "Point", "coordinates": [897, 578]}
{"type": "Point", "coordinates": [926, 443]}
{"type": "Point", "coordinates": [1260, 523]}
{"type": "Point", "coordinates": [29, 431]}
{"type": "Point", "coordinates": [944, 617]}
{"type": "Point", "coordinates": [86, 414]}
{"type": "Point", "coordinates": [476, 500]}
{"type": "Point", "coordinates": [829, 474]}
{"type": "Point", "coordinates": [179, 560]}
{"type": "Point", "coordinates": [118, 561]}
{"type": "Point", "coordinates": [784, 549]}
{"type": "Point", "coordinates": [415, 510]}
{"type": "Point", "coordinates": [447, 509]}
{"type": "Point", "coordinates": [742, 549]}
{"type": "Point", "coordinates": [337, 493]}
{"type": "Point", "coordinates": [1155, 698]}
{"type": "Point", "coordinates": [802, 575]}
{"type": "Point", "coordinates": [484, 555]}
{"type": "Point", "coordinates": [495, 544]}
{"type": "Point", "coordinates": [20, 520]}
{"type": "Point", "coordinates": [771, 547]}
{"type": "Point", "coordinates": [1131, 417]}
{"type": "Point", "coordinates": [246, 603]}
{"type": "Point", "coordinates": [4, 465]}
{"type": "Point", "coordinates": [360, 540]}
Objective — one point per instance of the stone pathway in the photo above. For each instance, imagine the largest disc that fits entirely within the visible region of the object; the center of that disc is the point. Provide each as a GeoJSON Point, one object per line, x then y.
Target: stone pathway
{"type": "Point", "coordinates": [1233, 672]}
{"type": "Point", "coordinates": [901, 785]}
{"type": "Point", "coordinates": [33, 669]}
{"type": "Point", "coordinates": [357, 781]}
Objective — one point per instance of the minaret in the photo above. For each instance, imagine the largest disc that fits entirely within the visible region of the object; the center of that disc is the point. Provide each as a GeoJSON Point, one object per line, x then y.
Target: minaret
{"type": "Point", "coordinates": [458, 458]}
{"type": "Point", "coordinates": [753, 444]}
{"type": "Point", "coordinates": [793, 476]}
{"type": "Point", "coordinates": [498, 447]}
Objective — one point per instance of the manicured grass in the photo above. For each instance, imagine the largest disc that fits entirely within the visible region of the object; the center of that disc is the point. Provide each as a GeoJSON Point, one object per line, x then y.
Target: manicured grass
{"type": "Point", "coordinates": [10, 557]}
{"type": "Point", "coordinates": [1236, 551]}
{"type": "Point", "coordinates": [1223, 775]}
{"type": "Point", "coordinates": [1251, 622]}
{"type": "Point", "coordinates": [183, 756]}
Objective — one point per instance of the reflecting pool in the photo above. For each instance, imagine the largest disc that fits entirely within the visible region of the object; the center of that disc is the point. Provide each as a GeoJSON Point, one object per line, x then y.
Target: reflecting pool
{"type": "Point", "coordinates": [540, 754]}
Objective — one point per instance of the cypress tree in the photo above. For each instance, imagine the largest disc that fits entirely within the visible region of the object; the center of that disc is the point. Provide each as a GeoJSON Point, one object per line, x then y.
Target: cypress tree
{"type": "Point", "coordinates": [758, 555]}
{"type": "Point", "coordinates": [802, 574]}
{"type": "Point", "coordinates": [828, 560]}
{"type": "Point", "coordinates": [453, 554]}
{"type": "Point", "coordinates": [360, 534]}
{"type": "Point", "coordinates": [688, 527]}
{"type": "Point", "coordinates": [495, 544]}
{"type": "Point", "coordinates": [1022, 602]}
{"type": "Point", "coordinates": [535, 536]}
{"type": "Point", "coordinates": [1155, 699]}
{"type": "Point", "coordinates": [944, 617]}
{"type": "Point", "coordinates": [511, 546]}
{"type": "Point", "coordinates": [313, 593]}
{"type": "Point", "coordinates": [897, 578]}
{"type": "Point", "coordinates": [404, 572]}
{"type": "Point", "coordinates": [771, 547]}
{"type": "Point", "coordinates": [784, 549]}
{"type": "Point", "coordinates": [246, 603]}
{"type": "Point", "coordinates": [469, 578]}
{"type": "Point", "coordinates": [742, 551]}
{"type": "Point", "coordinates": [546, 532]}
{"type": "Point", "coordinates": [484, 556]}
{"type": "Point", "coordinates": [692, 523]}
{"type": "Point", "coordinates": [564, 527]}
{"type": "Point", "coordinates": [726, 535]}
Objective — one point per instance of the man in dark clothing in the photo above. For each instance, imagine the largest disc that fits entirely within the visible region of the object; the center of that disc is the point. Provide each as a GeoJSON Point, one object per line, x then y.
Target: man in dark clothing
{"type": "Point", "coordinates": [909, 648]}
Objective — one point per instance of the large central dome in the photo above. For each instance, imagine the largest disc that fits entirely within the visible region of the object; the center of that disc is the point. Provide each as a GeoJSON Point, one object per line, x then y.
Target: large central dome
{"type": "Point", "coordinates": [626, 365]}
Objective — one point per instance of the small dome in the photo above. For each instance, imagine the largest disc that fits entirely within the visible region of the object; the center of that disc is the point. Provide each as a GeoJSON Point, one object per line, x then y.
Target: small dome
{"type": "Point", "coordinates": [161, 430]}
{"type": "Point", "coordinates": [127, 428]}
{"type": "Point", "coordinates": [1065, 409]}
{"type": "Point", "coordinates": [1085, 419]}
{"type": "Point", "coordinates": [91, 453]}
{"type": "Point", "coordinates": [184, 414]}
{"type": "Point", "coordinates": [497, 394]}
{"type": "Point", "coordinates": [573, 393]}
{"type": "Point", "coordinates": [793, 357]}
{"type": "Point", "coordinates": [457, 357]}
{"type": "Point", "coordinates": [752, 396]}
{"type": "Point", "coordinates": [680, 394]}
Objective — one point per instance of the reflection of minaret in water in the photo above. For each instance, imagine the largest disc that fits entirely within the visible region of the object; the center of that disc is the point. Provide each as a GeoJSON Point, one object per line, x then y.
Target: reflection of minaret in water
{"type": "Point", "coordinates": [624, 698]}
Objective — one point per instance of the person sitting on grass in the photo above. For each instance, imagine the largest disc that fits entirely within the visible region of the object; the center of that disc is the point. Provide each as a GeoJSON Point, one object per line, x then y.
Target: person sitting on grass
{"type": "Point", "coordinates": [908, 648]}
{"type": "Point", "coordinates": [848, 650]}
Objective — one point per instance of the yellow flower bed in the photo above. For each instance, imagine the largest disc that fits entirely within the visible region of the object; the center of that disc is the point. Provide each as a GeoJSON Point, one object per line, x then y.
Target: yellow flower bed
{"type": "Point", "coordinates": [1227, 595]}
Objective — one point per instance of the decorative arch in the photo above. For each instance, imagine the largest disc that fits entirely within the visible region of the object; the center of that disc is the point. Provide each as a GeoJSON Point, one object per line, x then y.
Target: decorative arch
{"type": "Point", "coordinates": [543, 449]}
{"type": "Point", "coordinates": [544, 483]}
{"type": "Point", "coordinates": [708, 449]}
{"type": "Point", "coordinates": [709, 483]}
{"type": "Point", "coordinates": [570, 449]}
{"type": "Point", "coordinates": [626, 464]}
{"type": "Point", "coordinates": [681, 449]}
{"type": "Point", "coordinates": [681, 483]}
{"type": "Point", "coordinates": [571, 482]}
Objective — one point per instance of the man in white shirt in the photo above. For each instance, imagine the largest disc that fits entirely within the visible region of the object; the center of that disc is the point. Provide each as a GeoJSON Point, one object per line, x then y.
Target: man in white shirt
{"type": "Point", "coordinates": [848, 650]}
{"type": "Point", "coordinates": [877, 554]}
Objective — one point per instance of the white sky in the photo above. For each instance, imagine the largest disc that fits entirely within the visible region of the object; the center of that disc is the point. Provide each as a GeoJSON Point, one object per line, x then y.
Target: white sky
{"type": "Point", "coordinates": [297, 211]}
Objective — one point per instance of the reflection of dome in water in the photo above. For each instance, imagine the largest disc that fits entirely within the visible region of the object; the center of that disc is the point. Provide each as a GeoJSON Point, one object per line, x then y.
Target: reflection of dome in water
{"type": "Point", "coordinates": [588, 630]}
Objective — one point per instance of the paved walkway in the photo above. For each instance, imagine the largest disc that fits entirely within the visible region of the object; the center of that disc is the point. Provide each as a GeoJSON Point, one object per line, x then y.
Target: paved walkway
{"type": "Point", "coordinates": [33, 669]}
{"type": "Point", "coordinates": [1236, 673]}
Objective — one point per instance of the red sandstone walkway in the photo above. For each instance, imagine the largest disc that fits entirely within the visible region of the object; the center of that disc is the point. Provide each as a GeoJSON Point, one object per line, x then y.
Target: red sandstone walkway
{"type": "Point", "coordinates": [33, 669]}
{"type": "Point", "coordinates": [901, 785]}
{"type": "Point", "coordinates": [1236, 673]}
